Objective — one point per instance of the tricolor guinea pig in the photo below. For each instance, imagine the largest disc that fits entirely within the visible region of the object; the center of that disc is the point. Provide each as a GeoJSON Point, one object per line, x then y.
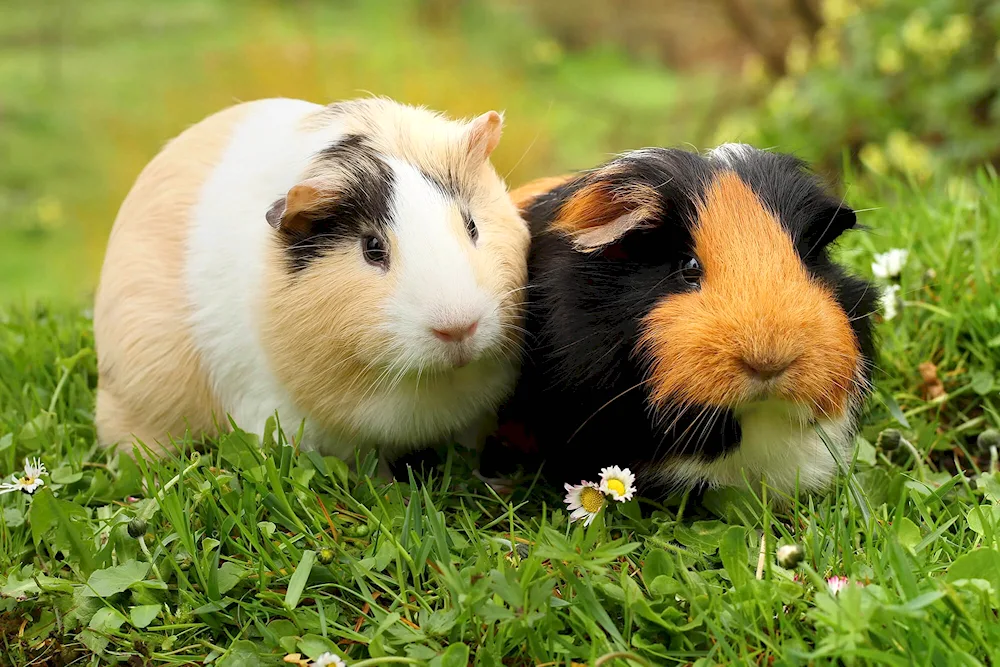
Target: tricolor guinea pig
{"type": "Point", "coordinates": [685, 320]}
{"type": "Point", "coordinates": [357, 267]}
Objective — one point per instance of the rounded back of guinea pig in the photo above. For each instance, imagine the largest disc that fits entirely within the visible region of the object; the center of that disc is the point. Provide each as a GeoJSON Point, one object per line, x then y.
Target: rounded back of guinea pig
{"type": "Point", "coordinates": [710, 277]}
{"type": "Point", "coordinates": [396, 273]}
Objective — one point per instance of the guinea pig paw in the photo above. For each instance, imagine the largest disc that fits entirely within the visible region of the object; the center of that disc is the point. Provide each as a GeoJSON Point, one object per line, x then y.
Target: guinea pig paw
{"type": "Point", "coordinates": [502, 485]}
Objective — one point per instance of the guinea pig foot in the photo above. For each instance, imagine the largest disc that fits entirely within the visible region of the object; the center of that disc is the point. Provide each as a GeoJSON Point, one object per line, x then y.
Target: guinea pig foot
{"type": "Point", "coordinates": [384, 472]}
{"type": "Point", "coordinates": [502, 485]}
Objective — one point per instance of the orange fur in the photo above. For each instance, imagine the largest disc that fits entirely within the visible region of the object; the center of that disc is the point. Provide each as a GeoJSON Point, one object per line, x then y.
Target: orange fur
{"type": "Point", "coordinates": [600, 212]}
{"type": "Point", "coordinates": [757, 305]}
{"type": "Point", "coordinates": [527, 193]}
{"type": "Point", "coordinates": [151, 381]}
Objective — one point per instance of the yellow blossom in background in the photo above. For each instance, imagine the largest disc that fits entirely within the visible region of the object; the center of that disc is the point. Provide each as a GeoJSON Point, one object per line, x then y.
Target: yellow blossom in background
{"type": "Point", "coordinates": [828, 47]}
{"type": "Point", "coordinates": [49, 212]}
{"type": "Point", "coordinates": [797, 56]}
{"type": "Point", "coordinates": [889, 58]}
{"type": "Point", "coordinates": [836, 12]}
{"type": "Point", "coordinates": [908, 155]}
{"type": "Point", "coordinates": [956, 32]}
{"type": "Point", "coordinates": [873, 158]}
{"type": "Point", "coordinates": [754, 71]}
{"type": "Point", "coordinates": [916, 31]}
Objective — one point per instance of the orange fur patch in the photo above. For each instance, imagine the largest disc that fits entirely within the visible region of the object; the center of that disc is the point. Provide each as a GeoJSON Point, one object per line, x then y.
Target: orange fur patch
{"type": "Point", "coordinates": [601, 212]}
{"type": "Point", "coordinates": [527, 193]}
{"type": "Point", "coordinates": [757, 306]}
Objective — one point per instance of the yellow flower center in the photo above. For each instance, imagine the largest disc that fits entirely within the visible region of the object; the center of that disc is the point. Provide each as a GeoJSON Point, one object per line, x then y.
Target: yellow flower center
{"type": "Point", "coordinates": [616, 486]}
{"type": "Point", "coordinates": [591, 499]}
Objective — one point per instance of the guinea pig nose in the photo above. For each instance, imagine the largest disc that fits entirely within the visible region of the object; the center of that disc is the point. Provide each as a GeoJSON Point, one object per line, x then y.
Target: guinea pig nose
{"type": "Point", "coordinates": [761, 369]}
{"type": "Point", "coordinates": [455, 333]}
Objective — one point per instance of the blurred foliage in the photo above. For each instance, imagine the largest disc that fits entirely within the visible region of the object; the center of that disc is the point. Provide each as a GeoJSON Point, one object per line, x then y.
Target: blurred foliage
{"type": "Point", "coordinates": [908, 87]}
{"type": "Point", "coordinates": [89, 92]}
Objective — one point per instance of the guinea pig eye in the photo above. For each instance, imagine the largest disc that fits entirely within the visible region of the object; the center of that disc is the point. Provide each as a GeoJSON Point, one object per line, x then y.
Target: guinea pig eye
{"type": "Point", "coordinates": [374, 250]}
{"type": "Point", "coordinates": [470, 226]}
{"type": "Point", "coordinates": [691, 271]}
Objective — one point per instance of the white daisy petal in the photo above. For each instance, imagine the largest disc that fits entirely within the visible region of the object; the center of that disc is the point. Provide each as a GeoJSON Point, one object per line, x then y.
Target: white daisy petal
{"type": "Point", "coordinates": [583, 500]}
{"type": "Point", "coordinates": [328, 660]}
{"type": "Point", "coordinates": [890, 264]}
{"type": "Point", "coordinates": [618, 483]}
{"type": "Point", "coordinates": [889, 302]}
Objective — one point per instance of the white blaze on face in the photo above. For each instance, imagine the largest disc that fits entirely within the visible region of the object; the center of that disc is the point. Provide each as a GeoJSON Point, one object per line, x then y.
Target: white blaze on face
{"type": "Point", "coordinates": [439, 315]}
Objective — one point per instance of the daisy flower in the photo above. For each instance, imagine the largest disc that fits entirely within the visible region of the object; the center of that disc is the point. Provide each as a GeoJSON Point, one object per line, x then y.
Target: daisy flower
{"type": "Point", "coordinates": [33, 470]}
{"type": "Point", "coordinates": [619, 483]}
{"type": "Point", "coordinates": [837, 584]}
{"type": "Point", "coordinates": [889, 302]}
{"type": "Point", "coordinates": [889, 264]}
{"type": "Point", "coordinates": [585, 500]}
{"type": "Point", "coordinates": [328, 660]}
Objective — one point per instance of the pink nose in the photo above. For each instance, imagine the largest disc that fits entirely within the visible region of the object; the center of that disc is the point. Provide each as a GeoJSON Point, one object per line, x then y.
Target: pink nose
{"type": "Point", "coordinates": [457, 333]}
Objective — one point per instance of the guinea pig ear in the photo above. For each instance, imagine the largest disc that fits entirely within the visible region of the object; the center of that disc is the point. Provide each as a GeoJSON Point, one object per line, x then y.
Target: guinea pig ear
{"type": "Point", "coordinates": [830, 224]}
{"type": "Point", "coordinates": [525, 195]}
{"type": "Point", "coordinates": [483, 134]}
{"type": "Point", "coordinates": [603, 211]}
{"type": "Point", "coordinates": [292, 212]}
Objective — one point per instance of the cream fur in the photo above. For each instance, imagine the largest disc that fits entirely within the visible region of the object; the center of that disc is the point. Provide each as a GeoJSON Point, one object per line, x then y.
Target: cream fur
{"type": "Point", "coordinates": [215, 325]}
{"type": "Point", "coordinates": [151, 375]}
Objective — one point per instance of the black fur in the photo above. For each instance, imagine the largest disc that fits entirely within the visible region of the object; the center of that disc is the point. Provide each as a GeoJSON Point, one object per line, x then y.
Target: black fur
{"type": "Point", "coordinates": [581, 396]}
{"type": "Point", "coordinates": [361, 208]}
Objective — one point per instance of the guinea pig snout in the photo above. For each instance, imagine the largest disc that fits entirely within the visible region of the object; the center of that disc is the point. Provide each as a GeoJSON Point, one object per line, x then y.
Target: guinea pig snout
{"type": "Point", "coordinates": [764, 368]}
{"type": "Point", "coordinates": [450, 332]}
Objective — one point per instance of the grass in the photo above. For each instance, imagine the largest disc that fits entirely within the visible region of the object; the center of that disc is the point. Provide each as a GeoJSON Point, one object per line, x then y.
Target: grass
{"type": "Point", "coordinates": [252, 550]}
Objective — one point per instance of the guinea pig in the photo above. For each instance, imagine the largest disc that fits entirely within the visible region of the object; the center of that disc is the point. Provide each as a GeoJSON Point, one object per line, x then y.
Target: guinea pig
{"type": "Point", "coordinates": [357, 268]}
{"type": "Point", "coordinates": [685, 319]}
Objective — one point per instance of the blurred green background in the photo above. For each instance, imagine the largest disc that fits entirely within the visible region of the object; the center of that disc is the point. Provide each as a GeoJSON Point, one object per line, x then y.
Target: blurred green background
{"type": "Point", "coordinates": [89, 91]}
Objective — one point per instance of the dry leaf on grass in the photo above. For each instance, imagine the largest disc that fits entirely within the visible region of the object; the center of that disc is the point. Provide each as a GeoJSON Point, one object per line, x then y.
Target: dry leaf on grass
{"type": "Point", "coordinates": [932, 386]}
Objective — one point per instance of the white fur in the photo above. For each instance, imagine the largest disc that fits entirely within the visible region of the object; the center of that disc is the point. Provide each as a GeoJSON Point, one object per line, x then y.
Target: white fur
{"type": "Point", "coordinates": [779, 445]}
{"type": "Point", "coordinates": [267, 155]}
{"type": "Point", "coordinates": [731, 153]}
{"type": "Point", "coordinates": [436, 288]}
{"type": "Point", "coordinates": [437, 284]}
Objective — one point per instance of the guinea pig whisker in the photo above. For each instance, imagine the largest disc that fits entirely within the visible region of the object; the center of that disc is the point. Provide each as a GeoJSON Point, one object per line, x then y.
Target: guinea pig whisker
{"type": "Point", "coordinates": [863, 316]}
{"type": "Point", "coordinates": [574, 342]}
{"type": "Point", "coordinates": [587, 420]}
{"type": "Point", "coordinates": [660, 282]}
{"type": "Point", "coordinates": [833, 217]}
{"type": "Point", "coordinates": [525, 153]}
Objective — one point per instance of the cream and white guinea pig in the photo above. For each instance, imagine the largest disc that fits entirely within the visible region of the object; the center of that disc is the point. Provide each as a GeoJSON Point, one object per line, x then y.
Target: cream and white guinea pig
{"type": "Point", "coordinates": [685, 320]}
{"type": "Point", "coordinates": [358, 266]}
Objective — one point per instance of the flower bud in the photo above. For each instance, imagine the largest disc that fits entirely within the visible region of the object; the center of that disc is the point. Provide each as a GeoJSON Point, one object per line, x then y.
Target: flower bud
{"type": "Point", "coordinates": [136, 528]}
{"type": "Point", "coordinates": [360, 530]}
{"type": "Point", "coordinates": [789, 556]}
{"type": "Point", "coordinates": [325, 556]}
{"type": "Point", "coordinates": [988, 438]}
{"type": "Point", "coordinates": [889, 439]}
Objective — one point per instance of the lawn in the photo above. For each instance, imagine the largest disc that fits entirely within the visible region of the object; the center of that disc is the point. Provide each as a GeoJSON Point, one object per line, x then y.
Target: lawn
{"type": "Point", "coordinates": [252, 551]}
{"type": "Point", "coordinates": [249, 552]}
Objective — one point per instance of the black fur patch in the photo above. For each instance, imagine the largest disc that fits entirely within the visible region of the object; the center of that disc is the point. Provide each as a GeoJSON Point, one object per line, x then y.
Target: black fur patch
{"type": "Point", "coordinates": [362, 207]}
{"type": "Point", "coordinates": [581, 396]}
